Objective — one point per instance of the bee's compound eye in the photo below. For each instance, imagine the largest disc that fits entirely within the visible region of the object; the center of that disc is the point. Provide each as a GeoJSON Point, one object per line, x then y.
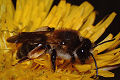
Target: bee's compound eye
{"type": "Point", "coordinates": [82, 51]}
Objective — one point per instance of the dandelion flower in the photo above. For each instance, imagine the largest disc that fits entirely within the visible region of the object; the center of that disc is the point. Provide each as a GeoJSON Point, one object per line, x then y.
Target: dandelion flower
{"type": "Point", "coordinates": [30, 15]}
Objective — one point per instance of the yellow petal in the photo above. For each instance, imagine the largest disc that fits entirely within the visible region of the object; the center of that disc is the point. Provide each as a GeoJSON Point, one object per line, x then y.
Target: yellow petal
{"type": "Point", "coordinates": [102, 27]}
{"type": "Point", "coordinates": [82, 68]}
{"type": "Point", "coordinates": [105, 73]}
{"type": "Point", "coordinates": [104, 46]}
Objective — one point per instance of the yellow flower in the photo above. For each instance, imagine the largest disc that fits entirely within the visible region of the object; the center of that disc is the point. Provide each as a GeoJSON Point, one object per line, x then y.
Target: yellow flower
{"type": "Point", "coordinates": [32, 14]}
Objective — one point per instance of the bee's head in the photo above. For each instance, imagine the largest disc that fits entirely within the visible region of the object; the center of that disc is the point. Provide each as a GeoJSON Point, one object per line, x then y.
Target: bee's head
{"type": "Point", "coordinates": [83, 51]}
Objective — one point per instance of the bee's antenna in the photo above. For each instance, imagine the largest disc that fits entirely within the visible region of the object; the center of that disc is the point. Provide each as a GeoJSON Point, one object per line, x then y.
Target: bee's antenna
{"type": "Point", "coordinates": [95, 65]}
{"type": "Point", "coordinates": [103, 42]}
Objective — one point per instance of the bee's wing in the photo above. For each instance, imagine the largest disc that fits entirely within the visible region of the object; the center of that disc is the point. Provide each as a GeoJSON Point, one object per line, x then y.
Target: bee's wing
{"type": "Point", "coordinates": [34, 37]}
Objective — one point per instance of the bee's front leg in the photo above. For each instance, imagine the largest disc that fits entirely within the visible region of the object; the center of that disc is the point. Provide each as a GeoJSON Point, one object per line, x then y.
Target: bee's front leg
{"type": "Point", "coordinates": [72, 58]}
{"type": "Point", "coordinates": [53, 59]}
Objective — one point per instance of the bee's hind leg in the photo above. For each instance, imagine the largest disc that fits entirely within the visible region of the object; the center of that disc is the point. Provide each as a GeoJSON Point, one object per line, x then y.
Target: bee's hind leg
{"type": "Point", "coordinates": [21, 60]}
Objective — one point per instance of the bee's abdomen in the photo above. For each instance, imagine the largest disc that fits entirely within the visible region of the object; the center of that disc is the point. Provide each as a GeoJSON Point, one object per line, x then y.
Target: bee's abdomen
{"type": "Point", "coordinates": [25, 49]}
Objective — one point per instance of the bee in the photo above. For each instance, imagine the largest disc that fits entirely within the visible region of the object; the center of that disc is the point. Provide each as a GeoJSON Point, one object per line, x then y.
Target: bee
{"type": "Point", "coordinates": [64, 43]}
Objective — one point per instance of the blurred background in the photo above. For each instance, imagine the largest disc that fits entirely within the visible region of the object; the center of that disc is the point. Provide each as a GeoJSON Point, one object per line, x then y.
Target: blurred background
{"type": "Point", "coordinates": [103, 8]}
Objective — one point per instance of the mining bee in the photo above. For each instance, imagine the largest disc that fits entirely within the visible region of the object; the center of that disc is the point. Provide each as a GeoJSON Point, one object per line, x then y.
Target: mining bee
{"type": "Point", "coordinates": [63, 43]}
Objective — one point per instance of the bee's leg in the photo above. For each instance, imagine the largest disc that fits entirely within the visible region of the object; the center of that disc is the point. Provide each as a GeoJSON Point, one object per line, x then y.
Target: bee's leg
{"type": "Point", "coordinates": [72, 58]}
{"type": "Point", "coordinates": [81, 58]}
{"type": "Point", "coordinates": [20, 61]}
{"type": "Point", "coordinates": [53, 59]}
{"type": "Point", "coordinates": [23, 59]}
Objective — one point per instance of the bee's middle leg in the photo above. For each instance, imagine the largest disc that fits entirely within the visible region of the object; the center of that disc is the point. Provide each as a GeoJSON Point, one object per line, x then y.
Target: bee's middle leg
{"type": "Point", "coordinates": [53, 59]}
